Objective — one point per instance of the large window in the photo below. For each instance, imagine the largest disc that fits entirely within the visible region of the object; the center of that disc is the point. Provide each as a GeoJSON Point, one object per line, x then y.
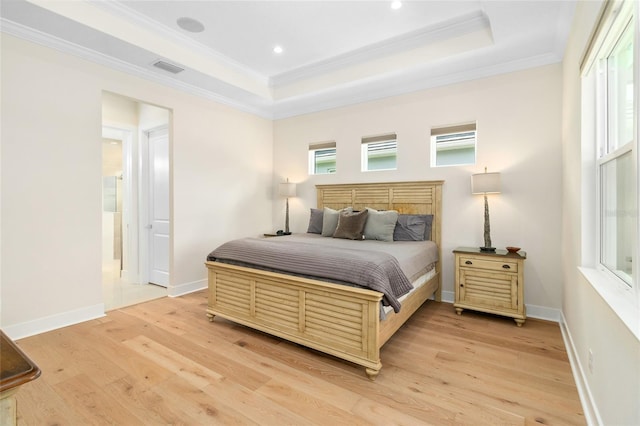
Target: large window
{"type": "Point", "coordinates": [379, 152]}
{"type": "Point", "coordinates": [453, 145]}
{"type": "Point", "coordinates": [609, 90]}
{"type": "Point", "coordinates": [322, 158]}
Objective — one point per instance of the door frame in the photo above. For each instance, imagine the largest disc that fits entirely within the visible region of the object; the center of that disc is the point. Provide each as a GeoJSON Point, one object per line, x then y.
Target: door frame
{"type": "Point", "coordinates": [130, 233]}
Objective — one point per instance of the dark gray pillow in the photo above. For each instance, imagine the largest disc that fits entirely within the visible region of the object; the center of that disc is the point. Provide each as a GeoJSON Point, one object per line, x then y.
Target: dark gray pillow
{"type": "Point", "coordinates": [413, 227]}
{"type": "Point", "coordinates": [351, 225]}
{"type": "Point", "coordinates": [315, 222]}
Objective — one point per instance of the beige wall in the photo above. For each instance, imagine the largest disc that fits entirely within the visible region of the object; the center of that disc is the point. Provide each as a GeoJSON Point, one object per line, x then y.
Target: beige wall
{"type": "Point", "coordinates": [51, 182]}
{"type": "Point", "coordinates": [518, 119]}
{"type": "Point", "coordinates": [612, 391]}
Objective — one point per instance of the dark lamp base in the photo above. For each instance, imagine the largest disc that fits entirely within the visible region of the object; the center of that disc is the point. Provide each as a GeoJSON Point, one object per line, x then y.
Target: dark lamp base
{"type": "Point", "coordinates": [487, 249]}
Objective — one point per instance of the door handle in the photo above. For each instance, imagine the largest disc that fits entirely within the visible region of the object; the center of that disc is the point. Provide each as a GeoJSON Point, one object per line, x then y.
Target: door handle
{"type": "Point", "coordinates": [149, 226]}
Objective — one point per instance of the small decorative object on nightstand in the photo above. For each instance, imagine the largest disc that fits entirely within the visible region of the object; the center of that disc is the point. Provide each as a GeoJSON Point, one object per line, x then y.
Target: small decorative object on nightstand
{"type": "Point", "coordinates": [490, 282]}
{"type": "Point", "coordinates": [278, 233]}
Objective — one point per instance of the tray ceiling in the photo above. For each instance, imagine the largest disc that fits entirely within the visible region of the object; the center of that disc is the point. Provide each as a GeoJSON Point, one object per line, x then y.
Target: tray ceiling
{"type": "Point", "coordinates": [334, 53]}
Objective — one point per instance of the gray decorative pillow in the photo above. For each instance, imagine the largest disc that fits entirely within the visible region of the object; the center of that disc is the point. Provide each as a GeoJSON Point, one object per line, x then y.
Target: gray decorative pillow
{"type": "Point", "coordinates": [351, 225]}
{"type": "Point", "coordinates": [330, 220]}
{"type": "Point", "coordinates": [413, 227]}
{"type": "Point", "coordinates": [315, 222]}
{"type": "Point", "coordinates": [380, 224]}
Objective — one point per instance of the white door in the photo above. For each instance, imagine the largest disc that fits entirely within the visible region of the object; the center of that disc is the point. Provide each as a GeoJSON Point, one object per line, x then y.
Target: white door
{"type": "Point", "coordinates": [159, 207]}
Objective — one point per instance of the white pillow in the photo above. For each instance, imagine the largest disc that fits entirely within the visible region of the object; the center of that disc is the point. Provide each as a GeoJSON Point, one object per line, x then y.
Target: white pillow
{"type": "Point", "coordinates": [380, 225]}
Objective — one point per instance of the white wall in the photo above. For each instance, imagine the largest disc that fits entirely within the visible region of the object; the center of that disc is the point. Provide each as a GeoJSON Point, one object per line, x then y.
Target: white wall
{"type": "Point", "coordinates": [51, 183]}
{"type": "Point", "coordinates": [612, 390]}
{"type": "Point", "coordinates": [518, 119]}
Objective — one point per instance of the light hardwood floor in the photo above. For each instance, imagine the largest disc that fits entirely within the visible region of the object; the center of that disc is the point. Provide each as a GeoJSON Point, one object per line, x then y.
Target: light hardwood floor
{"type": "Point", "coordinates": [163, 362]}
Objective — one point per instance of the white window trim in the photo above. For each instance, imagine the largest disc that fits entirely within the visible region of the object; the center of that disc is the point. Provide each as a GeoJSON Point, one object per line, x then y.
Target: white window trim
{"type": "Point", "coordinates": [433, 151]}
{"type": "Point", "coordinates": [623, 300]}
{"type": "Point", "coordinates": [617, 295]}
{"type": "Point", "coordinates": [599, 266]}
{"type": "Point", "coordinates": [313, 148]}
{"type": "Point", "coordinates": [364, 153]}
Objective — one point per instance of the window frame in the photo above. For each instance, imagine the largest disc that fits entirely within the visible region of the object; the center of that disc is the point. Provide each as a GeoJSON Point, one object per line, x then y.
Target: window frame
{"type": "Point", "coordinates": [624, 299]}
{"type": "Point", "coordinates": [449, 130]}
{"type": "Point", "coordinates": [620, 20]}
{"type": "Point", "coordinates": [380, 139]}
{"type": "Point", "coordinates": [312, 156]}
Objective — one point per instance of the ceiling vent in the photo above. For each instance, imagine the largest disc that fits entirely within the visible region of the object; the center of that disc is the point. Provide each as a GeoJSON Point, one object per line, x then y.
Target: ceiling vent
{"type": "Point", "coordinates": [173, 69]}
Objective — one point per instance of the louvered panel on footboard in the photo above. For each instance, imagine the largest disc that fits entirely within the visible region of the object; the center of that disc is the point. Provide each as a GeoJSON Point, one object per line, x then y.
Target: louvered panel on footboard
{"type": "Point", "coordinates": [233, 292]}
{"type": "Point", "coordinates": [335, 319]}
{"type": "Point", "coordinates": [276, 305]}
{"type": "Point", "coordinates": [339, 322]}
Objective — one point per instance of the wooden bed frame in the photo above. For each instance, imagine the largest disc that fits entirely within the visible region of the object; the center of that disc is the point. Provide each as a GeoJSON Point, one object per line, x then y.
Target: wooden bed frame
{"type": "Point", "coordinates": [335, 319]}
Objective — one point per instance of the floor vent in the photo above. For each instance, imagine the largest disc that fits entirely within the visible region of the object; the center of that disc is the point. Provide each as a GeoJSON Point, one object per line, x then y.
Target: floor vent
{"type": "Point", "coordinates": [174, 69]}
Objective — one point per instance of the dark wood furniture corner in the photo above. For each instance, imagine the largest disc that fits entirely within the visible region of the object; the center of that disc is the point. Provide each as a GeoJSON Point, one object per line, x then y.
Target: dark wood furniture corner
{"type": "Point", "coordinates": [16, 369]}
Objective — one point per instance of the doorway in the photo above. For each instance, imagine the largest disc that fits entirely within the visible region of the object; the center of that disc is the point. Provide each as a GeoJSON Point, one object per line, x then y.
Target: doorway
{"type": "Point", "coordinates": [129, 197]}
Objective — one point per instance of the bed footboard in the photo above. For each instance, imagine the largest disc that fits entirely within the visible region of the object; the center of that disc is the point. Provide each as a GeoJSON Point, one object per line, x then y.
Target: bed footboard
{"type": "Point", "coordinates": [335, 319]}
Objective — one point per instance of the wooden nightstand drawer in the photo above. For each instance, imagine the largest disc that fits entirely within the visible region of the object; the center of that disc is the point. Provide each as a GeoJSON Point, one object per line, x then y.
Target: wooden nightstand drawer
{"type": "Point", "coordinates": [491, 265]}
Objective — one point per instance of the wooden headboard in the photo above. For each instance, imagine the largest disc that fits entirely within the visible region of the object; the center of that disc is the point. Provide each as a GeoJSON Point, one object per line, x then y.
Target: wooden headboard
{"type": "Point", "coordinates": [406, 197]}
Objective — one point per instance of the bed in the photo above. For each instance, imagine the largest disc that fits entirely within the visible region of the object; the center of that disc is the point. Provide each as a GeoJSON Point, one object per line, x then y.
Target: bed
{"type": "Point", "coordinates": [338, 320]}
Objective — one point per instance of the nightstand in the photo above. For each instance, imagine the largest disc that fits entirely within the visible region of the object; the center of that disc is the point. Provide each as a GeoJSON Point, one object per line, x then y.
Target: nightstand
{"type": "Point", "coordinates": [490, 282]}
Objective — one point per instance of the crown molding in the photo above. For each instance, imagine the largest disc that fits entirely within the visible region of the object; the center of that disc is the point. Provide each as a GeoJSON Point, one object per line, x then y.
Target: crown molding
{"type": "Point", "coordinates": [118, 9]}
{"type": "Point", "coordinates": [457, 26]}
{"type": "Point", "coordinates": [27, 33]}
{"type": "Point", "coordinates": [406, 81]}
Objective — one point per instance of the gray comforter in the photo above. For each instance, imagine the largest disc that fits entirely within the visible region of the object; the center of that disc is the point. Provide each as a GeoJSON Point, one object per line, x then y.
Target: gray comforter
{"type": "Point", "coordinates": [372, 269]}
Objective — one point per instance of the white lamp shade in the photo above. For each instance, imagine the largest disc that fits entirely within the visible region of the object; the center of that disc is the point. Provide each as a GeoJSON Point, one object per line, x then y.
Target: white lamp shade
{"type": "Point", "coordinates": [287, 189]}
{"type": "Point", "coordinates": [485, 183]}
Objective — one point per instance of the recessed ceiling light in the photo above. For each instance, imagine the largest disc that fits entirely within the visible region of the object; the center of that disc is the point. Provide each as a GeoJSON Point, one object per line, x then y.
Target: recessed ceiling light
{"type": "Point", "coordinates": [278, 49]}
{"type": "Point", "coordinates": [190, 24]}
{"type": "Point", "coordinates": [395, 5]}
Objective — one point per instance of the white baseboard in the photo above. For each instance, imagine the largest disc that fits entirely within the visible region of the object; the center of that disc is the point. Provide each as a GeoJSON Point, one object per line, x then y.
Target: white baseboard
{"type": "Point", "coordinates": [64, 319]}
{"type": "Point", "coordinates": [543, 313]}
{"type": "Point", "coordinates": [591, 414]}
{"type": "Point", "coordinates": [448, 296]}
{"type": "Point", "coordinates": [186, 288]}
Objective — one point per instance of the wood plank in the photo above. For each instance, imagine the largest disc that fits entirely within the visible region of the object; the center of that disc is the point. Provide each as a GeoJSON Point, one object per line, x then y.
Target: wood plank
{"type": "Point", "coordinates": [199, 407]}
{"type": "Point", "coordinates": [148, 404]}
{"type": "Point", "coordinates": [177, 363]}
{"type": "Point", "coordinates": [89, 400]}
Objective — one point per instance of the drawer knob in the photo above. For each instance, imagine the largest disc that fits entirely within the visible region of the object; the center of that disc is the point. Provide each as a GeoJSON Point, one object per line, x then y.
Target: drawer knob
{"type": "Point", "coordinates": [461, 285]}
{"type": "Point", "coordinates": [468, 262]}
{"type": "Point", "coordinates": [506, 266]}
